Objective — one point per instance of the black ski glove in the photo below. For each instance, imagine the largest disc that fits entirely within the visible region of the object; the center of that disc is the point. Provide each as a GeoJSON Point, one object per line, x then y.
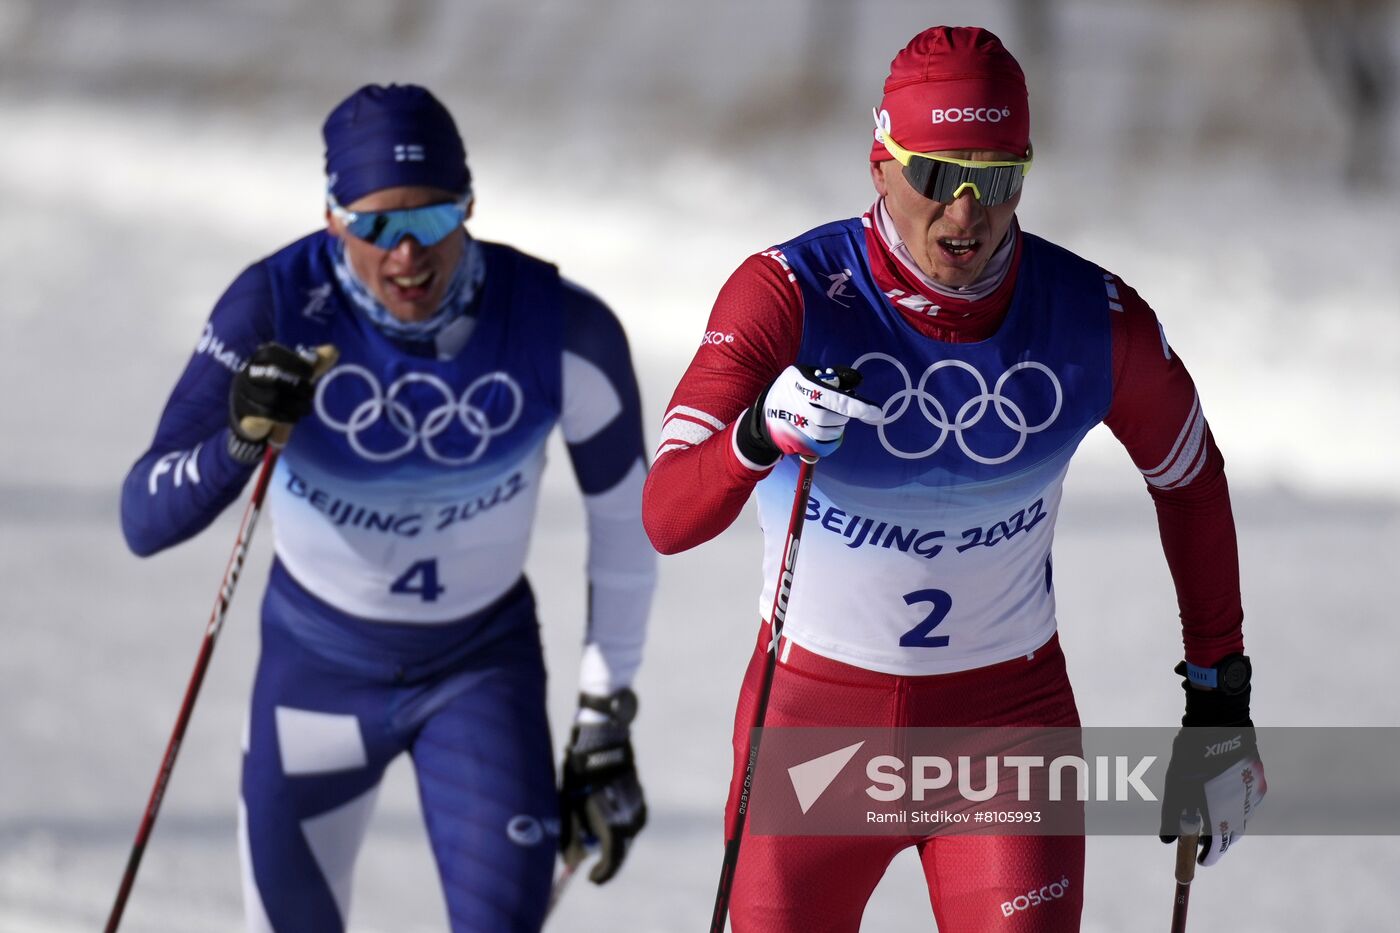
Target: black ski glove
{"type": "Point", "coordinates": [273, 388]}
{"type": "Point", "coordinates": [601, 800]}
{"type": "Point", "coordinates": [1215, 774]}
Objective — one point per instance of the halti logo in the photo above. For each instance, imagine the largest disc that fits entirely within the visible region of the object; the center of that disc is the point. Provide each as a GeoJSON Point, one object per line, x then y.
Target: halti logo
{"type": "Point", "coordinates": [213, 345]}
{"type": "Point", "coordinates": [407, 152]}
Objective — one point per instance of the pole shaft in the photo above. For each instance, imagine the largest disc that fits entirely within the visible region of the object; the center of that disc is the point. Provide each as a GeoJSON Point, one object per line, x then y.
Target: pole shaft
{"type": "Point", "coordinates": [201, 665]}
{"type": "Point", "coordinates": [782, 591]}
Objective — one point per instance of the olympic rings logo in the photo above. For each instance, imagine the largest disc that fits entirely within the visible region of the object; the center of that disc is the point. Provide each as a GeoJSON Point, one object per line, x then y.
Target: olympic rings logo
{"type": "Point", "coordinates": [389, 406]}
{"type": "Point", "coordinates": [969, 414]}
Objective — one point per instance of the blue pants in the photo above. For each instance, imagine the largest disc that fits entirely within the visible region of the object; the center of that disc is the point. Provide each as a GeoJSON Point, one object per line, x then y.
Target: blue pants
{"type": "Point", "coordinates": [337, 698]}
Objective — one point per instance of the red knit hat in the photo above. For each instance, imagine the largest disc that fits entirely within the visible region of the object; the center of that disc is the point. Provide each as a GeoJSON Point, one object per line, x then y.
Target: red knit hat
{"type": "Point", "coordinates": [954, 87]}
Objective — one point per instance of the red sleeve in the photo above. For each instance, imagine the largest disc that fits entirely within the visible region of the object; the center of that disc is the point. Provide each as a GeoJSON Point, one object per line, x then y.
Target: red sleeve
{"type": "Point", "coordinates": [698, 483]}
{"type": "Point", "coordinates": [1157, 415]}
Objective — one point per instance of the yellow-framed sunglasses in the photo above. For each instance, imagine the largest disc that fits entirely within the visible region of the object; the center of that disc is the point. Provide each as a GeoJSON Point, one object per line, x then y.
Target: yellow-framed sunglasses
{"type": "Point", "coordinates": [943, 179]}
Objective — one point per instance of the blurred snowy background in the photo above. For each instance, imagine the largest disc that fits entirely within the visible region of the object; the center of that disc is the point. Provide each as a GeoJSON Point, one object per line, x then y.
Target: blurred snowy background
{"type": "Point", "coordinates": [1234, 160]}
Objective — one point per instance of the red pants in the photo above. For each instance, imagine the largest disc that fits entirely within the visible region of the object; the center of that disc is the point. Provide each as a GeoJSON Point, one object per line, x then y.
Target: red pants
{"type": "Point", "coordinates": [1021, 884]}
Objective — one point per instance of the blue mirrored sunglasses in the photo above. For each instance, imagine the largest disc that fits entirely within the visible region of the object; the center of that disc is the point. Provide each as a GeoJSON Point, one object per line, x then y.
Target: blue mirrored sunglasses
{"type": "Point", "coordinates": [386, 229]}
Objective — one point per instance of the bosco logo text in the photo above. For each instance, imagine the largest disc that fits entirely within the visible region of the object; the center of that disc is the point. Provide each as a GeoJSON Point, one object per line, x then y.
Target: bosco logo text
{"type": "Point", "coordinates": [1043, 895]}
{"type": "Point", "coordinates": [972, 115]}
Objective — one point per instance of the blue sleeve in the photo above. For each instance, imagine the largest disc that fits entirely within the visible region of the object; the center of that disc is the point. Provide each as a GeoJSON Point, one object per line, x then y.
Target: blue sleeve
{"type": "Point", "coordinates": [187, 477]}
{"type": "Point", "coordinates": [602, 417]}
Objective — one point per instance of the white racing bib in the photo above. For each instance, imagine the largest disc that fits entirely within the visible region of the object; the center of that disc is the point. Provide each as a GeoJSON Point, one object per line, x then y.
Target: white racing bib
{"type": "Point", "coordinates": [433, 550]}
{"type": "Point", "coordinates": [915, 591]}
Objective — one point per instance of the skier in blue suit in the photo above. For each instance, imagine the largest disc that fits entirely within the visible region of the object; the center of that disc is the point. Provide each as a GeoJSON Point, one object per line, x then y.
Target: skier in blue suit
{"type": "Point", "coordinates": [397, 617]}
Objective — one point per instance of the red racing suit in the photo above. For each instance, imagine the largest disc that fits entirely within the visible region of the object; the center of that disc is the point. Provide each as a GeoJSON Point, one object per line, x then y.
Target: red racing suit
{"type": "Point", "coordinates": [835, 291]}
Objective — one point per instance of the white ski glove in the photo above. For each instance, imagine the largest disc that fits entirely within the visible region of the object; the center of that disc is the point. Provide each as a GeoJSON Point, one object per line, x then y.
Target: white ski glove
{"type": "Point", "coordinates": [803, 412]}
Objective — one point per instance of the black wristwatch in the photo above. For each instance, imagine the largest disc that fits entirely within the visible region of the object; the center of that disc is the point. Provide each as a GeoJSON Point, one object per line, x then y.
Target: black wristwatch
{"type": "Point", "coordinates": [1230, 675]}
{"type": "Point", "coordinates": [620, 707]}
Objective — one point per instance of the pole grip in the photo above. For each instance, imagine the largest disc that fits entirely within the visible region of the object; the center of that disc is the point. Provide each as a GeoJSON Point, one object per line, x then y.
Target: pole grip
{"type": "Point", "coordinates": [1186, 845]}
{"type": "Point", "coordinates": [276, 433]}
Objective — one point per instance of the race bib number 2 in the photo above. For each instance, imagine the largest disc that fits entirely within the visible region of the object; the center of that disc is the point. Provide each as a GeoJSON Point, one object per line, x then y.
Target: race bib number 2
{"type": "Point", "coordinates": [921, 635]}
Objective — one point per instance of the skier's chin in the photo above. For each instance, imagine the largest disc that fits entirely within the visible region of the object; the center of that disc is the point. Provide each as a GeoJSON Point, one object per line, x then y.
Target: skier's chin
{"type": "Point", "coordinates": [957, 271]}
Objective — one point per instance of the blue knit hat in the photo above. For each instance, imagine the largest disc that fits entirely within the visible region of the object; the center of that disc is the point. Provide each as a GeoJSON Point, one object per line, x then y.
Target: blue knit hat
{"type": "Point", "coordinates": [383, 137]}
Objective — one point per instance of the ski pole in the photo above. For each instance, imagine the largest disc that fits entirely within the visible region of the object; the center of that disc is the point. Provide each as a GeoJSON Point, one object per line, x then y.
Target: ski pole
{"type": "Point", "coordinates": [325, 358]}
{"type": "Point", "coordinates": [561, 884]}
{"type": "Point", "coordinates": [780, 602]}
{"type": "Point", "coordinates": [201, 664]}
{"type": "Point", "coordinates": [1186, 843]}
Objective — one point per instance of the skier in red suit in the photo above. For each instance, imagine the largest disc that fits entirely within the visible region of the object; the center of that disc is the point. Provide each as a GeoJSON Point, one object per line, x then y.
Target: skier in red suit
{"type": "Point", "coordinates": [924, 591]}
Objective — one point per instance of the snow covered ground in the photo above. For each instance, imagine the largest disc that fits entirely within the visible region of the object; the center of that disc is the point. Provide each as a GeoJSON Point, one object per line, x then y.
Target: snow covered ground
{"type": "Point", "coordinates": [124, 218]}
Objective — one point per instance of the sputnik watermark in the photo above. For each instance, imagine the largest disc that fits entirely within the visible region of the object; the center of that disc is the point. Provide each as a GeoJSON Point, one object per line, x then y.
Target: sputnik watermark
{"type": "Point", "coordinates": [924, 781]}
{"type": "Point", "coordinates": [1117, 778]}
{"type": "Point", "coordinates": [995, 780]}
{"type": "Point", "coordinates": [975, 780]}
